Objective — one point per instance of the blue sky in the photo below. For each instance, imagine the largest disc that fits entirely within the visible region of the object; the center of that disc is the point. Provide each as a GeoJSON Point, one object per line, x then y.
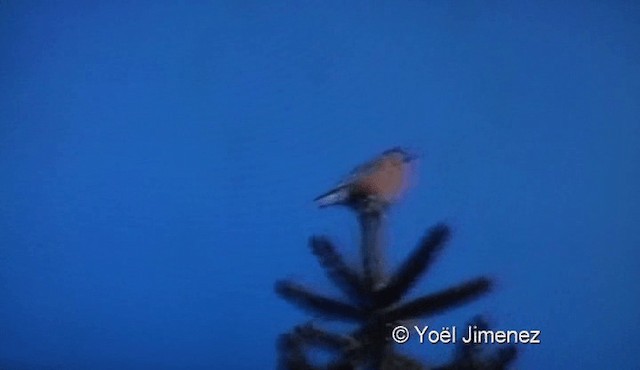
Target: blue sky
{"type": "Point", "coordinates": [158, 161]}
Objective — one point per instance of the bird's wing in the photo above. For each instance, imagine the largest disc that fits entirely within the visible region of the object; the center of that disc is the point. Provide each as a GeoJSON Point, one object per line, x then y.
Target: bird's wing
{"type": "Point", "coordinates": [361, 170]}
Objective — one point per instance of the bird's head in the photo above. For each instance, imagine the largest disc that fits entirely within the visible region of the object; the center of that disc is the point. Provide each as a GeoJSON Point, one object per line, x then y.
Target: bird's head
{"type": "Point", "coordinates": [401, 154]}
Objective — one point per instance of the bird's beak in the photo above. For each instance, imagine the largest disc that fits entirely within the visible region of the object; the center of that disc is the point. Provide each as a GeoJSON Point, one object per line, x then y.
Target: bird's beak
{"type": "Point", "coordinates": [410, 157]}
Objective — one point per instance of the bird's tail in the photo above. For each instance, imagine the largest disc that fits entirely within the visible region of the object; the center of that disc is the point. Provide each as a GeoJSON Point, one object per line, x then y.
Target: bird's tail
{"type": "Point", "coordinates": [335, 196]}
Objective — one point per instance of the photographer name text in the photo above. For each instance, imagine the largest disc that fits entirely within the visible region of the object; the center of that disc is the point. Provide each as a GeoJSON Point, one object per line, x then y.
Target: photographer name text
{"type": "Point", "coordinates": [467, 335]}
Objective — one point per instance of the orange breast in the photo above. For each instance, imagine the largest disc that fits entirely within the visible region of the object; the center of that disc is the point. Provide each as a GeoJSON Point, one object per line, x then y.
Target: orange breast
{"type": "Point", "coordinates": [386, 182]}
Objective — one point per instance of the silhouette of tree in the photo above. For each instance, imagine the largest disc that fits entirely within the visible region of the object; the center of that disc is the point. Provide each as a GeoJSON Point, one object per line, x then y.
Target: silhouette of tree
{"type": "Point", "coordinates": [375, 304]}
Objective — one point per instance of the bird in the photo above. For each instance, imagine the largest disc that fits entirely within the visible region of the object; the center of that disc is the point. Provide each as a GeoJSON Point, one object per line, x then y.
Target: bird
{"type": "Point", "coordinates": [382, 179]}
